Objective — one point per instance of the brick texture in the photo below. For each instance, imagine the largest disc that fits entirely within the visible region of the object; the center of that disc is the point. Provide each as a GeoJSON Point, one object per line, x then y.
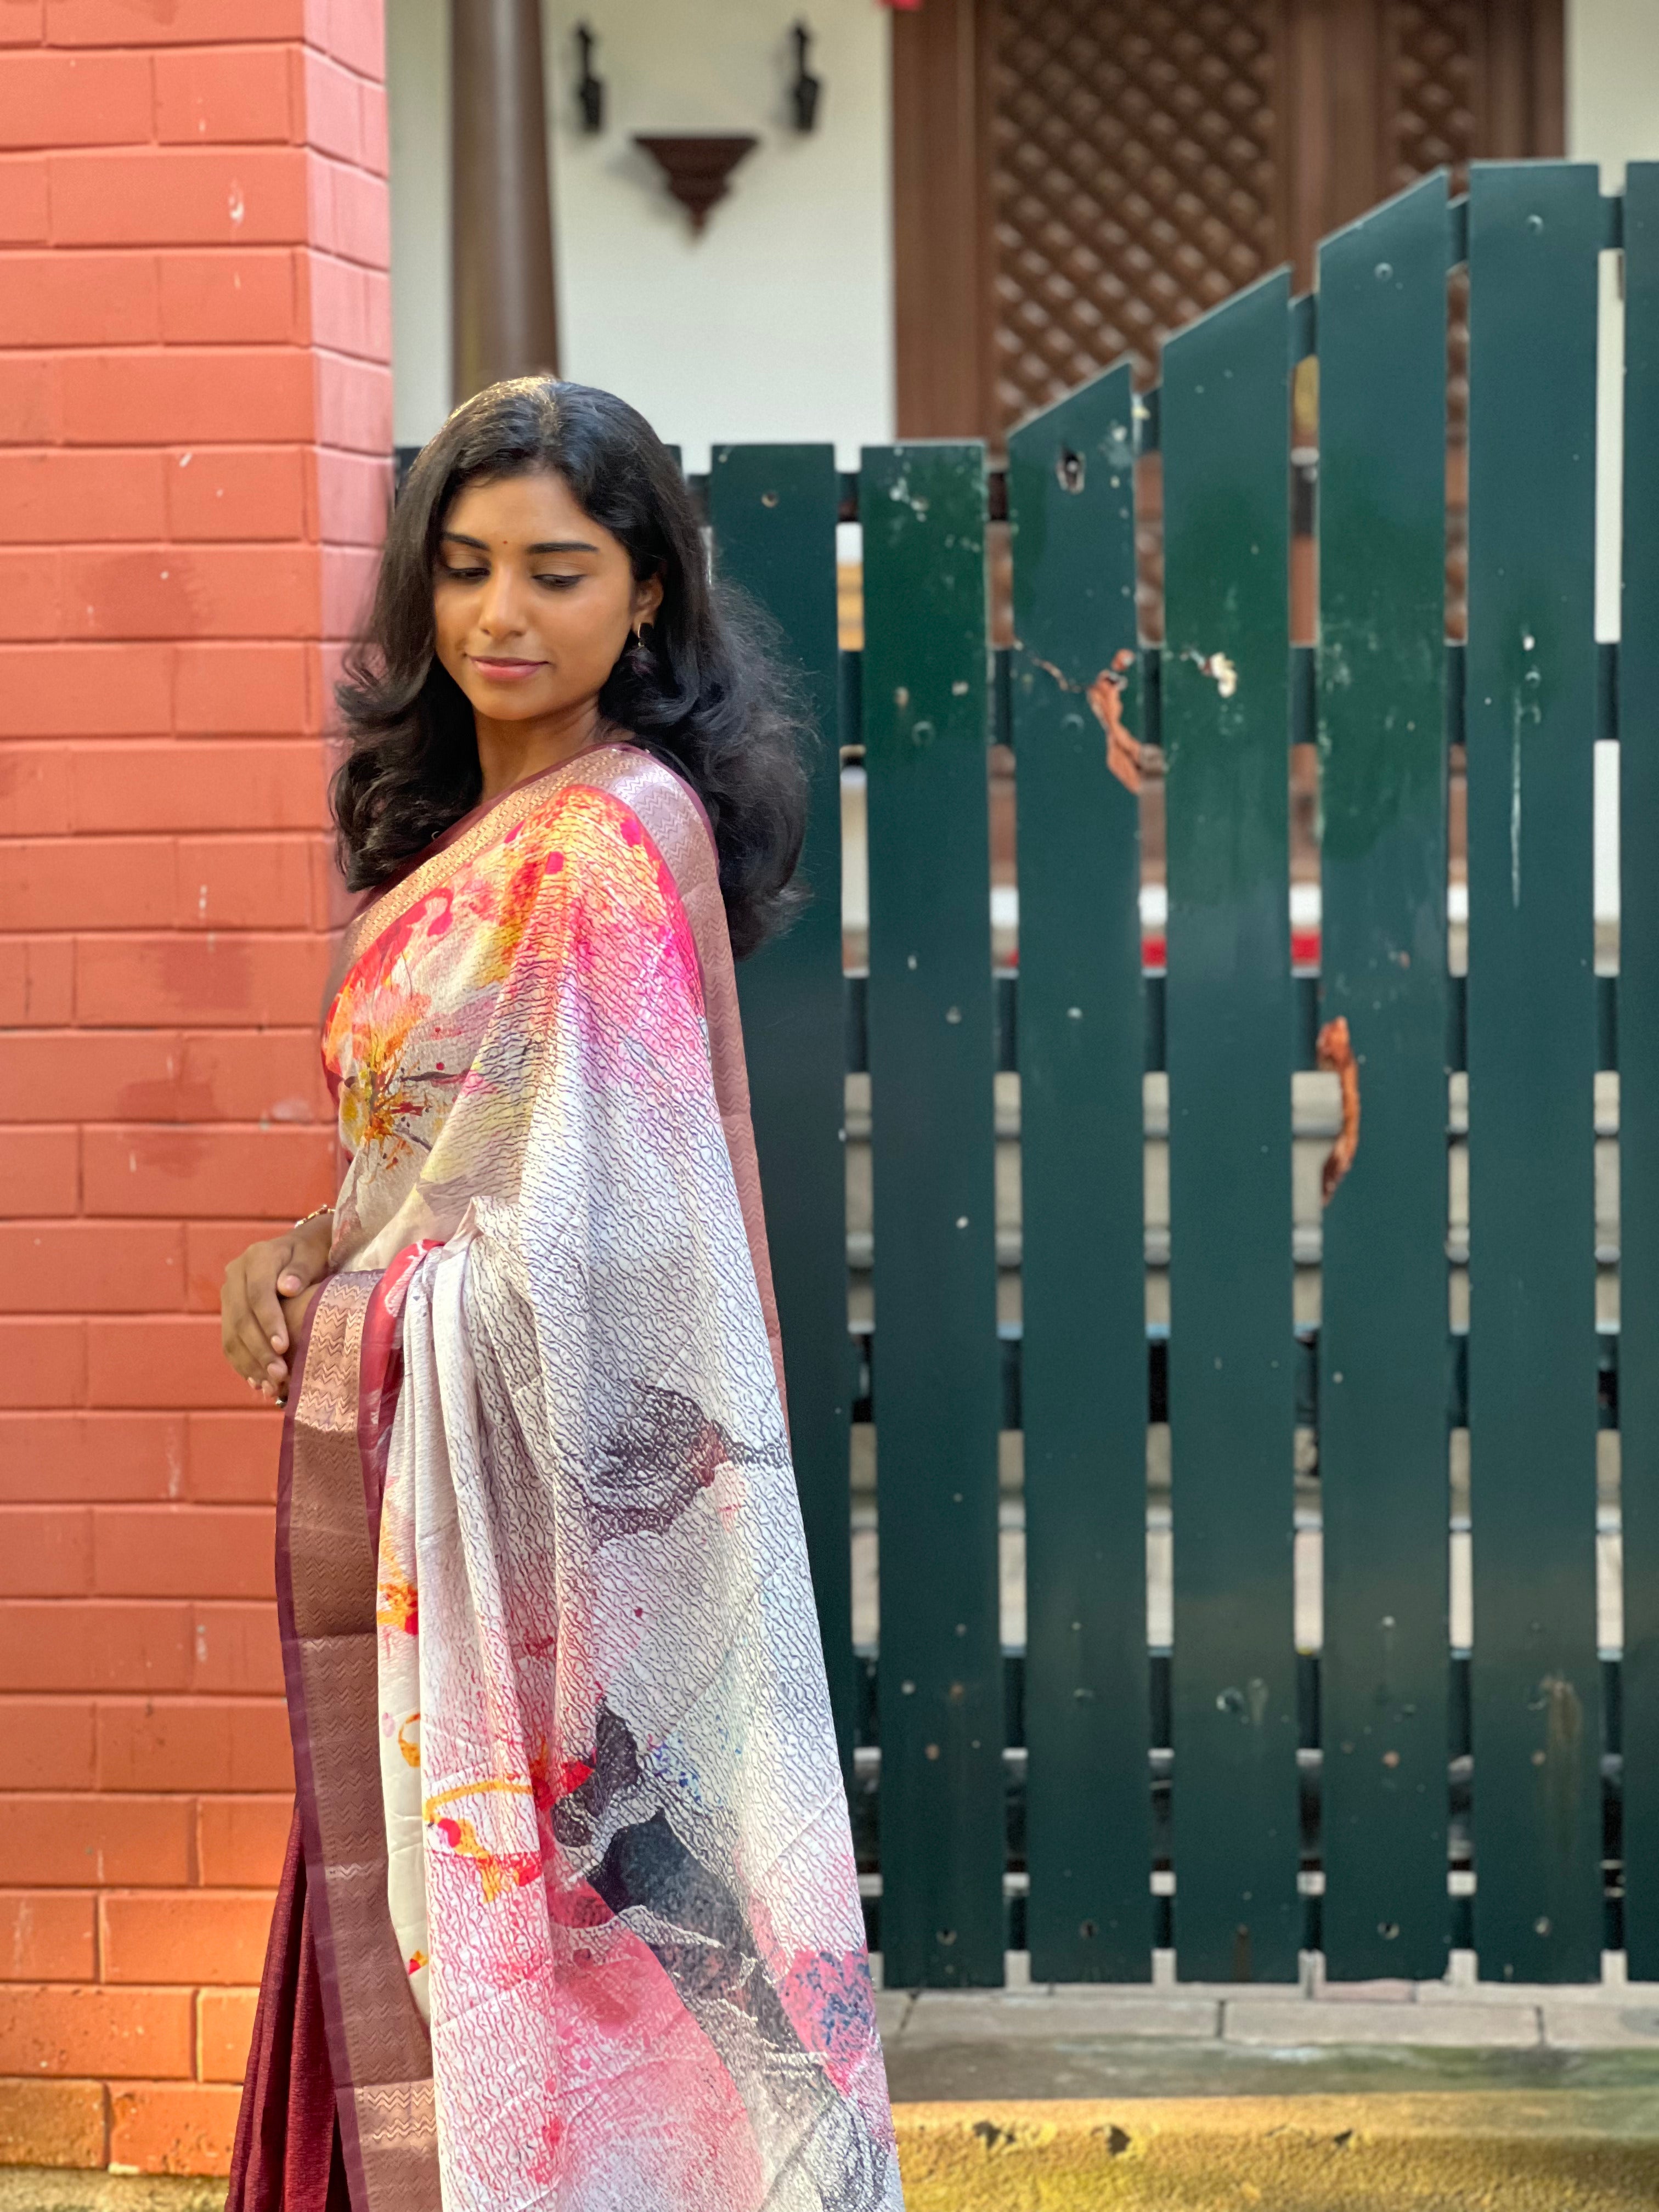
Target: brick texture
{"type": "Point", "coordinates": [224, 2032]}
{"type": "Point", "coordinates": [172, 2127]}
{"type": "Point", "coordinates": [47, 1935]}
{"type": "Point", "coordinates": [194, 475]}
{"type": "Point", "coordinates": [54, 2123]}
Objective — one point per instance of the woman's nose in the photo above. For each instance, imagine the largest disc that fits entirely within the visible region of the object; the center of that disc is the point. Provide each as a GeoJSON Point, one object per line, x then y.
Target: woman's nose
{"type": "Point", "coordinates": [499, 611]}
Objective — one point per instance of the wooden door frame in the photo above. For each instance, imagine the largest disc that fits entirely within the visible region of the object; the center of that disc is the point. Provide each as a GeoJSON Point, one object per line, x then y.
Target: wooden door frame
{"type": "Point", "coordinates": [942, 323]}
{"type": "Point", "coordinates": [1521, 70]}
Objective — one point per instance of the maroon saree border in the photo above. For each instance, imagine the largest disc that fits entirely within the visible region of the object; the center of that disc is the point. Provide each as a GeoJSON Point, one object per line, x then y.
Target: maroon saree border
{"type": "Point", "coordinates": [304, 1794]}
{"type": "Point", "coordinates": [378, 2048]}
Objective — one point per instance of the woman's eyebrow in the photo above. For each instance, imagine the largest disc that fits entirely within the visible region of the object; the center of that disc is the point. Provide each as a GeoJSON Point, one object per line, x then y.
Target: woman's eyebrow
{"type": "Point", "coordinates": [544, 545]}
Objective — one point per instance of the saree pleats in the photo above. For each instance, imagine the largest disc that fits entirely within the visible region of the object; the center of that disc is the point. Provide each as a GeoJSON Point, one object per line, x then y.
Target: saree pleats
{"type": "Point", "coordinates": [588, 1928]}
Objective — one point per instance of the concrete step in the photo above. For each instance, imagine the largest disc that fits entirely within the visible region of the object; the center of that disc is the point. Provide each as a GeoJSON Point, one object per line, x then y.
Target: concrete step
{"type": "Point", "coordinates": [1196, 2039]}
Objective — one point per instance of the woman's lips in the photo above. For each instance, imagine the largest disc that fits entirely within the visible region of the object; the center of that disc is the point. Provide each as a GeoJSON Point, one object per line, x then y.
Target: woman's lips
{"type": "Point", "coordinates": [505, 671]}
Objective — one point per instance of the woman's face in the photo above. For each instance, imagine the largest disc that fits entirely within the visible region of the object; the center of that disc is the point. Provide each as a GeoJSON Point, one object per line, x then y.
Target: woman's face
{"type": "Point", "coordinates": [533, 599]}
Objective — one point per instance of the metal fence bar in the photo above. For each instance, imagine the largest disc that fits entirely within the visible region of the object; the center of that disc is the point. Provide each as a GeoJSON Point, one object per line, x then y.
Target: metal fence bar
{"type": "Point", "coordinates": [932, 1058]}
{"type": "Point", "coordinates": [1226, 716]}
{"type": "Point", "coordinates": [1529, 710]}
{"type": "Point", "coordinates": [1071, 501]}
{"type": "Point", "coordinates": [1383, 1442]}
{"type": "Point", "coordinates": [773, 509]}
{"type": "Point", "coordinates": [1638, 1072]}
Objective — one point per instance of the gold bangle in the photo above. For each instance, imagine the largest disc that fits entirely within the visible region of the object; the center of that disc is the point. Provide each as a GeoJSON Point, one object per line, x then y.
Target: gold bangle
{"type": "Point", "coordinates": [312, 1215]}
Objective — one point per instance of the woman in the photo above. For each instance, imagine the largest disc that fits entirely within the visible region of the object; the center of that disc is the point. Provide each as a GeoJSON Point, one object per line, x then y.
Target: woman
{"type": "Point", "coordinates": [570, 1917]}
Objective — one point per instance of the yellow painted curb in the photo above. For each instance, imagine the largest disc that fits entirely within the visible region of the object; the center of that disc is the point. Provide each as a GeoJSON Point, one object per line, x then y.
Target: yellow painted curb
{"type": "Point", "coordinates": [1568, 2150]}
{"type": "Point", "coordinates": [1584, 2151]}
{"type": "Point", "coordinates": [70, 2189]}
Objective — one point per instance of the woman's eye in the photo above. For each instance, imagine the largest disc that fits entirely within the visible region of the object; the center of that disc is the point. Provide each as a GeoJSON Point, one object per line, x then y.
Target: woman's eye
{"type": "Point", "coordinates": [559, 583]}
{"type": "Point", "coordinates": [464, 576]}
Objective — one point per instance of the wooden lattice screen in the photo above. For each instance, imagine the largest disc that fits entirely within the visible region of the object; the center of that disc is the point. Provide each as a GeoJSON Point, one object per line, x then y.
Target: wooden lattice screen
{"type": "Point", "coordinates": [1133, 178]}
{"type": "Point", "coordinates": [1077, 179]}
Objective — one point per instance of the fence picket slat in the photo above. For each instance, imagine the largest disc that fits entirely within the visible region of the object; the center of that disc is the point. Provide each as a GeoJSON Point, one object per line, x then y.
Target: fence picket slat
{"type": "Point", "coordinates": [937, 1396]}
{"type": "Point", "coordinates": [1638, 1070]}
{"type": "Point", "coordinates": [1383, 1441]}
{"type": "Point", "coordinates": [772, 511]}
{"type": "Point", "coordinates": [1225, 719]}
{"type": "Point", "coordinates": [1082, 1025]}
{"type": "Point", "coordinates": [1530, 718]}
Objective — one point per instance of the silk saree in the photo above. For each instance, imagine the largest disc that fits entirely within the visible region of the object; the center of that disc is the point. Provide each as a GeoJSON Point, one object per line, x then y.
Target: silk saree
{"type": "Point", "coordinates": [580, 1916]}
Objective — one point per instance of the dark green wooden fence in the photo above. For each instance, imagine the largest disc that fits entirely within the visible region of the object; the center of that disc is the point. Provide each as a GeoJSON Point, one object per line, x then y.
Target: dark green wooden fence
{"type": "Point", "coordinates": [1387, 1797]}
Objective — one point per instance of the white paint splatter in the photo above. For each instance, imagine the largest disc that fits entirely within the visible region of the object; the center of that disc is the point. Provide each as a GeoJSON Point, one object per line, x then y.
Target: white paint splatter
{"type": "Point", "coordinates": [1218, 667]}
{"type": "Point", "coordinates": [1515, 809]}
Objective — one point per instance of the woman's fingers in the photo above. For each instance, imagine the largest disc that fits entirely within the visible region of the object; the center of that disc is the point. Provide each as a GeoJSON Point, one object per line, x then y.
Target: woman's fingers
{"type": "Point", "coordinates": [230, 1318]}
{"type": "Point", "coordinates": [264, 1263]}
{"type": "Point", "coordinates": [308, 1259]}
{"type": "Point", "coordinates": [247, 1308]}
{"type": "Point", "coordinates": [312, 1242]}
{"type": "Point", "coordinates": [253, 1327]}
{"type": "Point", "coordinates": [237, 1337]}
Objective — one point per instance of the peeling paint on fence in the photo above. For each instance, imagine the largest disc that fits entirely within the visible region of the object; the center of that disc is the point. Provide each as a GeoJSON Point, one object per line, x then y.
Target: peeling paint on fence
{"type": "Point", "coordinates": [1335, 1053]}
{"type": "Point", "coordinates": [1218, 666]}
{"type": "Point", "coordinates": [1124, 755]}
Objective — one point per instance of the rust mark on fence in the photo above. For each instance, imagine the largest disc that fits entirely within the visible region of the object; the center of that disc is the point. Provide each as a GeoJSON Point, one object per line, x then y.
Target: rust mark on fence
{"type": "Point", "coordinates": [1335, 1052]}
{"type": "Point", "coordinates": [1124, 754]}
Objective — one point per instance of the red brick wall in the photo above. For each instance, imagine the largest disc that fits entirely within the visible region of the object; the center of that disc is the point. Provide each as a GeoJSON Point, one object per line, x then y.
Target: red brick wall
{"type": "Point", "coordinates": [195, 398]}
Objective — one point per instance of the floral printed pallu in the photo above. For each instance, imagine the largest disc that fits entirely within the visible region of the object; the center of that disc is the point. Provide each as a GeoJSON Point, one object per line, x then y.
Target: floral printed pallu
{"type": "Point", "coordinates": [576, 1843]}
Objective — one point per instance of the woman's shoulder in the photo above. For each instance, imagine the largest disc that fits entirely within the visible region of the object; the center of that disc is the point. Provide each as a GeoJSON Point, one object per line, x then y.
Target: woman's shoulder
{"type": "Point", "coordinates": [640, 786]}
{"type": "Point", "coordinates": [665, 805]}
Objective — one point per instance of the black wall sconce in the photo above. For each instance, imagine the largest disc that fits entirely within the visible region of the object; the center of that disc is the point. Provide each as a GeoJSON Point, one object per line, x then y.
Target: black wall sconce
{"type": "Point", "coordinates": [805, 90]}
{"type": "Point", "coordinates": [590, 90]}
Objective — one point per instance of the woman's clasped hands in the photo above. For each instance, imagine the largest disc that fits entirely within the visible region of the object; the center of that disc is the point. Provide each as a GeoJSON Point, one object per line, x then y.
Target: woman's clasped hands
{"type": "Point", "coordinates": [264, 1301]}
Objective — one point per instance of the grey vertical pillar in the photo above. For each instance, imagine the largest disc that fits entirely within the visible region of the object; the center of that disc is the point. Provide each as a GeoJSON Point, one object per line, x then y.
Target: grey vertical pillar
{"type": "Point", "coordinates": [502, 227]}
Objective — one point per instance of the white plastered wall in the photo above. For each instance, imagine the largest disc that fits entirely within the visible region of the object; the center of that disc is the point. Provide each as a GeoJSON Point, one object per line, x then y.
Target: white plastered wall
{"type": "Point", "coordinates": [1612, 84]}
{"type": "Point", "coordinates": [776, 323]}
{"type": "Point", "coordinates": [417, 101]}
{"type": "Point", "coordinates": [1612, 118]}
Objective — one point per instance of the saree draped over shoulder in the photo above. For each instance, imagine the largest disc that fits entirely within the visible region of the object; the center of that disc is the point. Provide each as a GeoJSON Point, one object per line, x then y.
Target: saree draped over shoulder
{"type": "Point", "coordinates": [577, 1868]}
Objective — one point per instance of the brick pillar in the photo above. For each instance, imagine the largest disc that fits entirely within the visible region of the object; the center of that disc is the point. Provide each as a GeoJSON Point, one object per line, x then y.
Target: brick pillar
{"type": "Point", "coordinates": [194, 339]}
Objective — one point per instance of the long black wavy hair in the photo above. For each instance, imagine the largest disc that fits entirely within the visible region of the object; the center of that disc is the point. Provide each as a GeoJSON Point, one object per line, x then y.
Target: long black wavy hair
{"type": "Point", "coordinates": [709, 696]}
